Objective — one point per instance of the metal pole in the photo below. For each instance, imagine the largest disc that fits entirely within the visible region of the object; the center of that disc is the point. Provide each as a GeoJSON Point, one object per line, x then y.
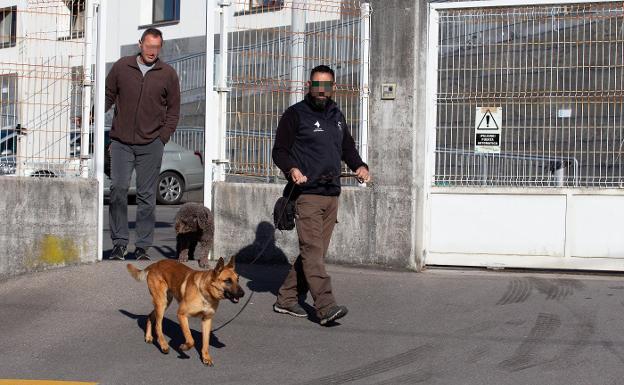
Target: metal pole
{"type": "Point", "coordinates": [222, 90]}
{"type": "Point", "coordinates": [210, 144]}
{"type": "Point", "coordinates": [98, 145]}
{"type": "Point", "coordinates": [364, 86]}
{"type": "Point", "coordinates": [421, 239]}
{"type": "Point", "coordinates": [86, 91]}
{"type": "Point", "coordinates": [484, 169]}
{"type": "Point", "coordinates": [297, 51]}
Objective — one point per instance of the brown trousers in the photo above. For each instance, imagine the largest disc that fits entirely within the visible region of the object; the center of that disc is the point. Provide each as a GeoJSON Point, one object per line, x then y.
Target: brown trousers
{"type": "Point", "coordinates": [316, 217]}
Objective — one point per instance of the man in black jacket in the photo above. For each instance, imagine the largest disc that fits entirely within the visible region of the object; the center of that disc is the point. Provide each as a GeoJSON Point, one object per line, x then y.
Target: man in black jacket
{"type": "Point", "coordinates": [311, 140]}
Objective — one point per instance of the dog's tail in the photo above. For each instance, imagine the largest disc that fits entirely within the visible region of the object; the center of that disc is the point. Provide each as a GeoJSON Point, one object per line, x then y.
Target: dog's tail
{"type": "Point", "coordinates": [139, 275]}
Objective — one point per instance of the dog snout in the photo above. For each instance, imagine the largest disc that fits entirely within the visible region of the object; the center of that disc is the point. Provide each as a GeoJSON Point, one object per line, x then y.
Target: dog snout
{"type": "Point", "coordinates": [241, 292]}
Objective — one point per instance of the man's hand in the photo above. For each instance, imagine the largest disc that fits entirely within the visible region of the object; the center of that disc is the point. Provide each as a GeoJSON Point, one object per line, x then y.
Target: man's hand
{"type": "Point", "coordinates": [297, 176]}
{"type": "Point", "coordinates": [362, 174]}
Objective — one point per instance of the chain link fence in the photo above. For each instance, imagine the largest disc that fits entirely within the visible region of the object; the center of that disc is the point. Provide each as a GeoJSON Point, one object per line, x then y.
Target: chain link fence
{"type": "Point", "coordinates": [262, 59]}
{"type": "Point", "coordinates": [41, 81]}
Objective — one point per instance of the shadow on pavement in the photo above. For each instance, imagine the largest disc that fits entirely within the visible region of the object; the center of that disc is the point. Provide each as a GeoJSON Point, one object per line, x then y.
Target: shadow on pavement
{"type": "Point", "coordinates": [172, 330]}
{"type": "Point", "coordinates": [164, 251]}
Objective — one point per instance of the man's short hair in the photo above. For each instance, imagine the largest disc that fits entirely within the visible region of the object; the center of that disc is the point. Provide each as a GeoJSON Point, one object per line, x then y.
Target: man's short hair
{"type": "Point", "coordinates": [322, 69]}
{"type": "Point", "coordinates": [154, 32]}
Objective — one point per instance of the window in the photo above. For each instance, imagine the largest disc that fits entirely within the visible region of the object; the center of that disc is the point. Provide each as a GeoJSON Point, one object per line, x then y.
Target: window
{"type": "Point", "coordinates": [8, 142]}
{"type": "Point", "coordinates": [8, 17]}
{"type": "Point", "coordinates": [166, 11]}
{"type": "Point", "coordinates": [75, 113]}
{"type": "Point", "coordinates": [8, 117]}
{"type": "Point", "coordinates": [254, 4]}
{"type": "Point", "coordinates": [8, 100]}
{"type": "Point", "coordinates": [258, 6]}
{"type": "Point", "coordinates": [77, 20]}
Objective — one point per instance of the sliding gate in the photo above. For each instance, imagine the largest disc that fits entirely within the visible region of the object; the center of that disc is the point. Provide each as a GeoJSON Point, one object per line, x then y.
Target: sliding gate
{"type": "Point", "coordinates": [526, 132]}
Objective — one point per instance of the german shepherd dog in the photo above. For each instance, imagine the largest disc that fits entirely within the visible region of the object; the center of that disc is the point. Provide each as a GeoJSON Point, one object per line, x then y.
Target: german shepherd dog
{"type": "Point", "coordinates": [197, 292]}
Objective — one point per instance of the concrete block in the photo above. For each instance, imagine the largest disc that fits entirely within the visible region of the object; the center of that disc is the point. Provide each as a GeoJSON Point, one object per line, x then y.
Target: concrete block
{"type": "Point", "coordinates": [48, 223]}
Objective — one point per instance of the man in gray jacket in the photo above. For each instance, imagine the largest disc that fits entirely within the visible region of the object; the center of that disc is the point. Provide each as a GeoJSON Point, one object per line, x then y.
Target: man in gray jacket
{"type": "Point", "coordinates": [146, 95]}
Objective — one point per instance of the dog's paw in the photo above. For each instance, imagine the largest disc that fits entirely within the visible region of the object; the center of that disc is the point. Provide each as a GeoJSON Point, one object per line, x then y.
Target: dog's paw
{"type": "Point", "coordinates": [165, 349]}
{"type": "Point", "coordinates": [149, 339]}
{"type": "Point", "coordinates": [186, 346]}
{"type": "Point", "coordinates": [207, 361]}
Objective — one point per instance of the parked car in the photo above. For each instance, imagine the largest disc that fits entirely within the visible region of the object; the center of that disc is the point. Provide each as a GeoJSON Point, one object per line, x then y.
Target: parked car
{"type": "Point", "coordinates": [181, 170]}
{"type": "Point", "coordinates": [58, 167]}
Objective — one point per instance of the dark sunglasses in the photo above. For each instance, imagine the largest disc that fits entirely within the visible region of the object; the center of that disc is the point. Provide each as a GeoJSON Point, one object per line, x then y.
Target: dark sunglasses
{"type": "Point", "coordinates": [325, 85]}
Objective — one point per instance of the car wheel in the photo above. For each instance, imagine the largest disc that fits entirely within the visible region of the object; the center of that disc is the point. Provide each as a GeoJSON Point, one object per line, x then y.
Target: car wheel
{"type": "Point", "coordinates": [43, 174]}
{"type": "Point", "coordinates": [170, 188]}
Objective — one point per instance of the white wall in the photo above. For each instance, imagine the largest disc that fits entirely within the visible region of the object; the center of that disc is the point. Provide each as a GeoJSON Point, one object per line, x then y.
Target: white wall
{"type": "Point", "coordinates": [527, 228]}
{"type": "Point", "coordinates": [498, 224]}
{"type": "Point", "coordinates": [125, 17]}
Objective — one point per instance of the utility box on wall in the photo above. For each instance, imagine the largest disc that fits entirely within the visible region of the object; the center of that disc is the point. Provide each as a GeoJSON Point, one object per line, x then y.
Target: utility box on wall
{"type": "Point", "coordinates": [388, 91]}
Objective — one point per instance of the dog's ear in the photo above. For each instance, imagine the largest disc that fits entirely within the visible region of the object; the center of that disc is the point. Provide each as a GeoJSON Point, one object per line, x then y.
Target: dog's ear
{"type": "Point", "coordinates": [232, 263]}
{"type": "Point", "coordinates": [219, 268]}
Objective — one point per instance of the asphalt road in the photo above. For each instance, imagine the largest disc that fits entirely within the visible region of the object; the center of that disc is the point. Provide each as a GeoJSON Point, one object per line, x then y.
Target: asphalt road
{"type": "Point", "coordinates": [85, 323]}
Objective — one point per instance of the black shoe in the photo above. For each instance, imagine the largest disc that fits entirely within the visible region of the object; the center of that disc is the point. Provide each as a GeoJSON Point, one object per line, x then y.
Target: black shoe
{"type": "Point", "coordinates": [295, 310]}
{"type": "Point", "coordinates": [119, 253]}
{"type": "Point", "coordinates": [334, 313]}
{"type": "Point", "coordinates": [141, 255]}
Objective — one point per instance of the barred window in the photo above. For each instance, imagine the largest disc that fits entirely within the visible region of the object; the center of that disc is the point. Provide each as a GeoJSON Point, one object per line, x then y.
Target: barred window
{"type": "Point", "coordinates": [8, 100]}
{"type": "Point", "coordinates": [258, 6]}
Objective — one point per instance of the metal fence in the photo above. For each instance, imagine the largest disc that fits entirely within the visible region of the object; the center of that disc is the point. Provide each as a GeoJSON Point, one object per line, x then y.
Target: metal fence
{"type": "Point", "coordinates": [557, 73]}
{"type": "Point", "coordinates": [41, 80]}
{"type": "Point", "coordinates": [191, 138]}
{"type": "Point", "coordinates": [272, 47]}
{"type": "Point", "coordinates": [191, 71]}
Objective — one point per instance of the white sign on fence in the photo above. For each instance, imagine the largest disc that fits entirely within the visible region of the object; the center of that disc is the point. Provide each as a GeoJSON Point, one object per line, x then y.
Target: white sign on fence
{"type": "Point", "coordinates": [488, 125]}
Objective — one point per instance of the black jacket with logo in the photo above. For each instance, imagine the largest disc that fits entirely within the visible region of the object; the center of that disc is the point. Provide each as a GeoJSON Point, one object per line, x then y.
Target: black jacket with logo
{"type": "Point", "coordinates": [315, 141]}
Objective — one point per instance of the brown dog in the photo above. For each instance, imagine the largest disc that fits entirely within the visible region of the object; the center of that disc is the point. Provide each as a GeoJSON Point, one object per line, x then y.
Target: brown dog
{"type": "Point", "coordinates": [197, 292]}
{"type": "Point", "coordinates": [194, 227]}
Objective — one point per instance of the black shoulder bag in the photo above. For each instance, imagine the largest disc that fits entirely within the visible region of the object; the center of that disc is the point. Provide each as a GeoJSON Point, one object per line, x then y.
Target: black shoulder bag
{"type": "Point", "coordinates": [284, 210]}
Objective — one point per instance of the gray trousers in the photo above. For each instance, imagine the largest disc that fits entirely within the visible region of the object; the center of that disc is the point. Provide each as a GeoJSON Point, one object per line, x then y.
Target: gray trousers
{"type": "Point", "coordinates": [146, 160]}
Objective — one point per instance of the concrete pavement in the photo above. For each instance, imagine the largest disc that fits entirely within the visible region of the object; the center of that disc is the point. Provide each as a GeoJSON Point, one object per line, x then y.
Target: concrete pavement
{"type": "Point", "coordinates": [164, 234]}
{"type": "Point", "coordinates": [86, 323]}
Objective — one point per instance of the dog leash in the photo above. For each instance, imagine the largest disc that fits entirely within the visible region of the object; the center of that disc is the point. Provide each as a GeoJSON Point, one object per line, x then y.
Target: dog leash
{"type": "Point", "coordinates": [268, 242]}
